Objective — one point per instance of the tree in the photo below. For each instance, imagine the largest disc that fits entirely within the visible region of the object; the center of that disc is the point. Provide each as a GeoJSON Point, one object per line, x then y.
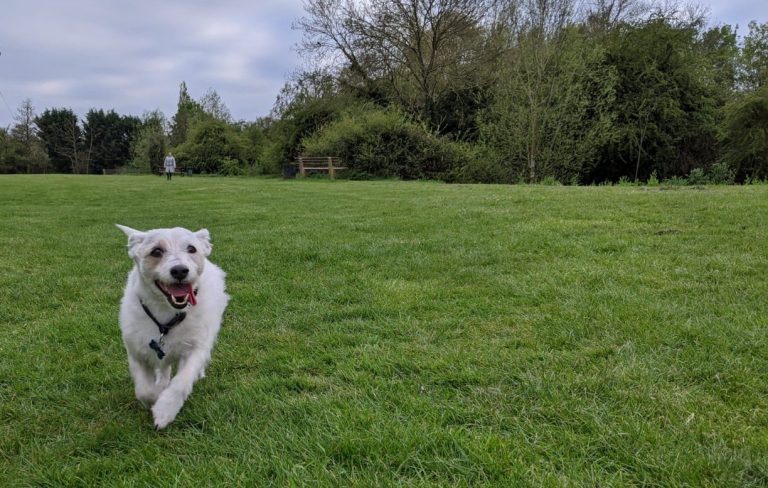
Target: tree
{"type": "Point", "coordinates": [26, 152]}
{"type": "Point", "coordinates": [304, 87]}
{"type": "Point", "coordinates": [107, 139]}
{"type": "Point", "coordinates": [24, 130]}
{"type": "Point", "coordinates": [255, 133]}
{"type": "Point", "coordinates": [5, 149]}
{"type": "Point", "coordinates": [300, 111]}
{"type": "Point", "coordinates": [753, 72]}
{"type": "Point", "coordinates": [745, 134]}
{"type": "Point", "coordinates": [213, 147]}
{"type": "Point", "coordinates": [420, 50]}
{"type": "Point", "coordinates": [186, 111]}
{"type": "Point", "coordinates": [149, 147]}
{"type": "Point", "coordinates": [61, 133]}
{"type": "Point", "coordinates": [212, 104]}
{"type": "Point", "coordinates": [551, 114]}
{"type": "Point", "coordinates": [605, 15]}
{"type": "Point", "coordinates": [719, 52]}
{"type": "Point", "coordinates": [8, 150]}
{"type": "Point", "coordinates": [666, 105]}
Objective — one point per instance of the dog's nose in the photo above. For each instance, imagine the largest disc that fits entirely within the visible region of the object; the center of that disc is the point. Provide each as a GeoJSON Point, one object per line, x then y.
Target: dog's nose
{"type": "Point", "coordinates": [179, 272]}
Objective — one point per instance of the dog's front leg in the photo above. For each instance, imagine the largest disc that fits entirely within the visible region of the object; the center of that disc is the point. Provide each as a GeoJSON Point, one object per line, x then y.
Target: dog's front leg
{"type": "Point", "coordinates": [143, 382]}
{"type": "Point", "coordinates": [173, 397]}
{"type": "Point", "coordinates": [162, 377]}
{"type": "Point", "coordinates": [200, 375]}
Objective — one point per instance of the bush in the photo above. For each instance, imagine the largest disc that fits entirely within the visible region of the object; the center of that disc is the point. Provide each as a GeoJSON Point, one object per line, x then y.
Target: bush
{"type": "Point", "coordinates": [653, 180]}
{"type": "Point", "coordinates": [384, 143]}
{"type": "Point", "coordinates": [697, 177]}
{"type": "Point", "coordinates": [625, 181]}
{"type": "Point", "coordinates": [213, 147]}
{"type": "Point", "coordinates": [550, 181]}
{"type": "Point", "coordinates": [230, 167]}
{"type": "Point", "coordinates": [676, 181]}
{"type": "Point", "coordinates": [480, 170]}
{"type": "Point", "coordinates": [271, 158]}
{"type": "Point", "coordinates": [721, 174]}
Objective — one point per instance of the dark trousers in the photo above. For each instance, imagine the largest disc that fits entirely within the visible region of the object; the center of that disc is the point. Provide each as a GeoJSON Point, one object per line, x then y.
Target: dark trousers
{"type": "Point", "coordinates": [169, 174]}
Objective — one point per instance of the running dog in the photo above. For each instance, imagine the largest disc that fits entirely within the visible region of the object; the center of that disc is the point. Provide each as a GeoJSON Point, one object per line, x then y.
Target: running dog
{"type": "Point", "coordinates": [170, 315]}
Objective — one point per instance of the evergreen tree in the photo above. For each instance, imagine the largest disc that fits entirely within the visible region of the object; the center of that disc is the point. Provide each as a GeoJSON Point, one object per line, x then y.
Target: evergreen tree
{"type": "Point", "coordinates": [107, 139]}
{"type": "Point", "coordinates": [186, 112]}
{"type": "Point", "coordinates": [62, 136]}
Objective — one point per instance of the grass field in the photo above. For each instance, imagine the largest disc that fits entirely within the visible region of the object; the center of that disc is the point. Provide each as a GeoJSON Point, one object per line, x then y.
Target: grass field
{"type": "Point", "coordinates": [390, 333]}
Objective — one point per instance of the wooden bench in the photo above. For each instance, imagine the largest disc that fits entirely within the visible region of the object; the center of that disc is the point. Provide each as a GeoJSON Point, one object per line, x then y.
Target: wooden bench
{"type": "Point", "coordinates": [331, 164]}
{"type": "Point", "coordinates": [177, 171]}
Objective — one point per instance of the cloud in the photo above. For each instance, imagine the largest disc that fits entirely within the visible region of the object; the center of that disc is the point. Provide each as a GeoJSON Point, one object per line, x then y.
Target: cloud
{"type": "Point", "coordinates": [52, 88]}
{"type": "Point", "coordinates": [132, 56]}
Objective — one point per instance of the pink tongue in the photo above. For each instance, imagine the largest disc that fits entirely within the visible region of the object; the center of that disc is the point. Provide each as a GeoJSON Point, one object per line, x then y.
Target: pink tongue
{"type": "Point", "coordinates": [180, 290]}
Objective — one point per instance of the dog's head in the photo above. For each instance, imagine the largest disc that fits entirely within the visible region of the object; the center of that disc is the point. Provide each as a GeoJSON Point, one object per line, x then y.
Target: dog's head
{"type": "Point", "coordinates": [172, 260]}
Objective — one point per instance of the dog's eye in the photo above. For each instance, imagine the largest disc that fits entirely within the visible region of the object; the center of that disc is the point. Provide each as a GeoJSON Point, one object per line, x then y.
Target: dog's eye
{"type": "Point", "coordinates": [157, 253]}
{"type": "Point", "coordinates": [191, 249]}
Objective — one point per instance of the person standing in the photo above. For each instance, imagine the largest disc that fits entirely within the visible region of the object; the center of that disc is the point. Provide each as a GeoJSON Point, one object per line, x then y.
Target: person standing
{"type": "Point", "coordinates": [170, 166]}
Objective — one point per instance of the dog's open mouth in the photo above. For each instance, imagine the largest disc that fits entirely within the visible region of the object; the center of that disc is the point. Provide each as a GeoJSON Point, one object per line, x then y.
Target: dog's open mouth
{"type": "Point", "coordinates": [178, 294]}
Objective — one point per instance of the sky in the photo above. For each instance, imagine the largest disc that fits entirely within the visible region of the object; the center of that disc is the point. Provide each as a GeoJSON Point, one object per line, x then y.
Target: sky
{"type": "Point", "coordinates": [132, 55]}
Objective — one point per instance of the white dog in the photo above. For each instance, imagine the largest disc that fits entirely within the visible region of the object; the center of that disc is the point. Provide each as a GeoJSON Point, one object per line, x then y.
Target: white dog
{"type": "Point", "coordinates": [170, 314]}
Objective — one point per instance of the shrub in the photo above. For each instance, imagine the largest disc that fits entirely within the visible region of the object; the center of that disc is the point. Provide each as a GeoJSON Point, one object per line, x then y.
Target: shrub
{"type": "Point", "coordinates": [272, 157]}
{"type": "Point", "coordinates": [211, 145]}
{"type": "Point", "coordinates": [550, 181]}
{"type": "Point", "coordinates": [697, 177]}
{"type": "Point", "coordinates": [676, 181]}
{"type": "Point", "coordinates": [754, 181]}
{"type": "Point", "coordinates": [230, 167]}
{"type": "Point", "coordinates": [721, 174]}
{"type": "Point", "coordinates": [481, 170]}
{"type": "Point", "coordinates": [384, 143]}
{"type": "Point", "coordinates": [653, 180]}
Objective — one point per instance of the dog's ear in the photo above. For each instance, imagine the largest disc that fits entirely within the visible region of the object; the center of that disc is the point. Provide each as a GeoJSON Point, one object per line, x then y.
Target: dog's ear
{"type": "Point", "coordinates": [135, 237]}
{"type": "Point", "coordinates": [205, 238]}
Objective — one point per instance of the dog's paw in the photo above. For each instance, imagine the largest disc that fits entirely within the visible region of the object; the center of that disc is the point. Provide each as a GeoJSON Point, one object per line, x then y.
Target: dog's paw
{"type": "Point", "coordinates": [163, 417]}
{"type": "Point", "coordinates": [165, 410]}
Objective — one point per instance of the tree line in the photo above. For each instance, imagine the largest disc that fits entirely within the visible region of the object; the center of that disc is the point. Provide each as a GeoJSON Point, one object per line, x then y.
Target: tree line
{"type": "Point", "coordinates": [463, 90]}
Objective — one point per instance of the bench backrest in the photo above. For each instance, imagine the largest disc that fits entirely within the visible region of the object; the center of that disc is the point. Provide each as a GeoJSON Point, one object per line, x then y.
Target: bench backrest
{"type": "Point", "coordinates": [318, 160]}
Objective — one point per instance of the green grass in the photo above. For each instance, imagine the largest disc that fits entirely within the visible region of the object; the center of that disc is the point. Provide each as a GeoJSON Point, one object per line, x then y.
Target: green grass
{"type": "Point", "coordinates": [388, 333]}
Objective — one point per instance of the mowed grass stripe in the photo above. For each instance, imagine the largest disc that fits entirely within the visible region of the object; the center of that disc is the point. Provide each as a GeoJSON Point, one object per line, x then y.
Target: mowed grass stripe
{"type": "Point", "coordinates": [405, 333]}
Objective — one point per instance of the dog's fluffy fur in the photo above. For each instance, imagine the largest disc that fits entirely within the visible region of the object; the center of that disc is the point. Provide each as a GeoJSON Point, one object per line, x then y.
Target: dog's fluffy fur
{"type": "Point", "coordinates": [157, 254]}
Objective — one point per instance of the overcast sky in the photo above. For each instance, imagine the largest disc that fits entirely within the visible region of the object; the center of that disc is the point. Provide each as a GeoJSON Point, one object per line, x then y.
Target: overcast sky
{"type": "Point", "coordinates": [131, 55]}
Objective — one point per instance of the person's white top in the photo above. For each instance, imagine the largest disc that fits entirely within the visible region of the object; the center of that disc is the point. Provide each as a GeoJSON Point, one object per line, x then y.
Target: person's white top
{"type": "Point", "coordinates": [170, 163]}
